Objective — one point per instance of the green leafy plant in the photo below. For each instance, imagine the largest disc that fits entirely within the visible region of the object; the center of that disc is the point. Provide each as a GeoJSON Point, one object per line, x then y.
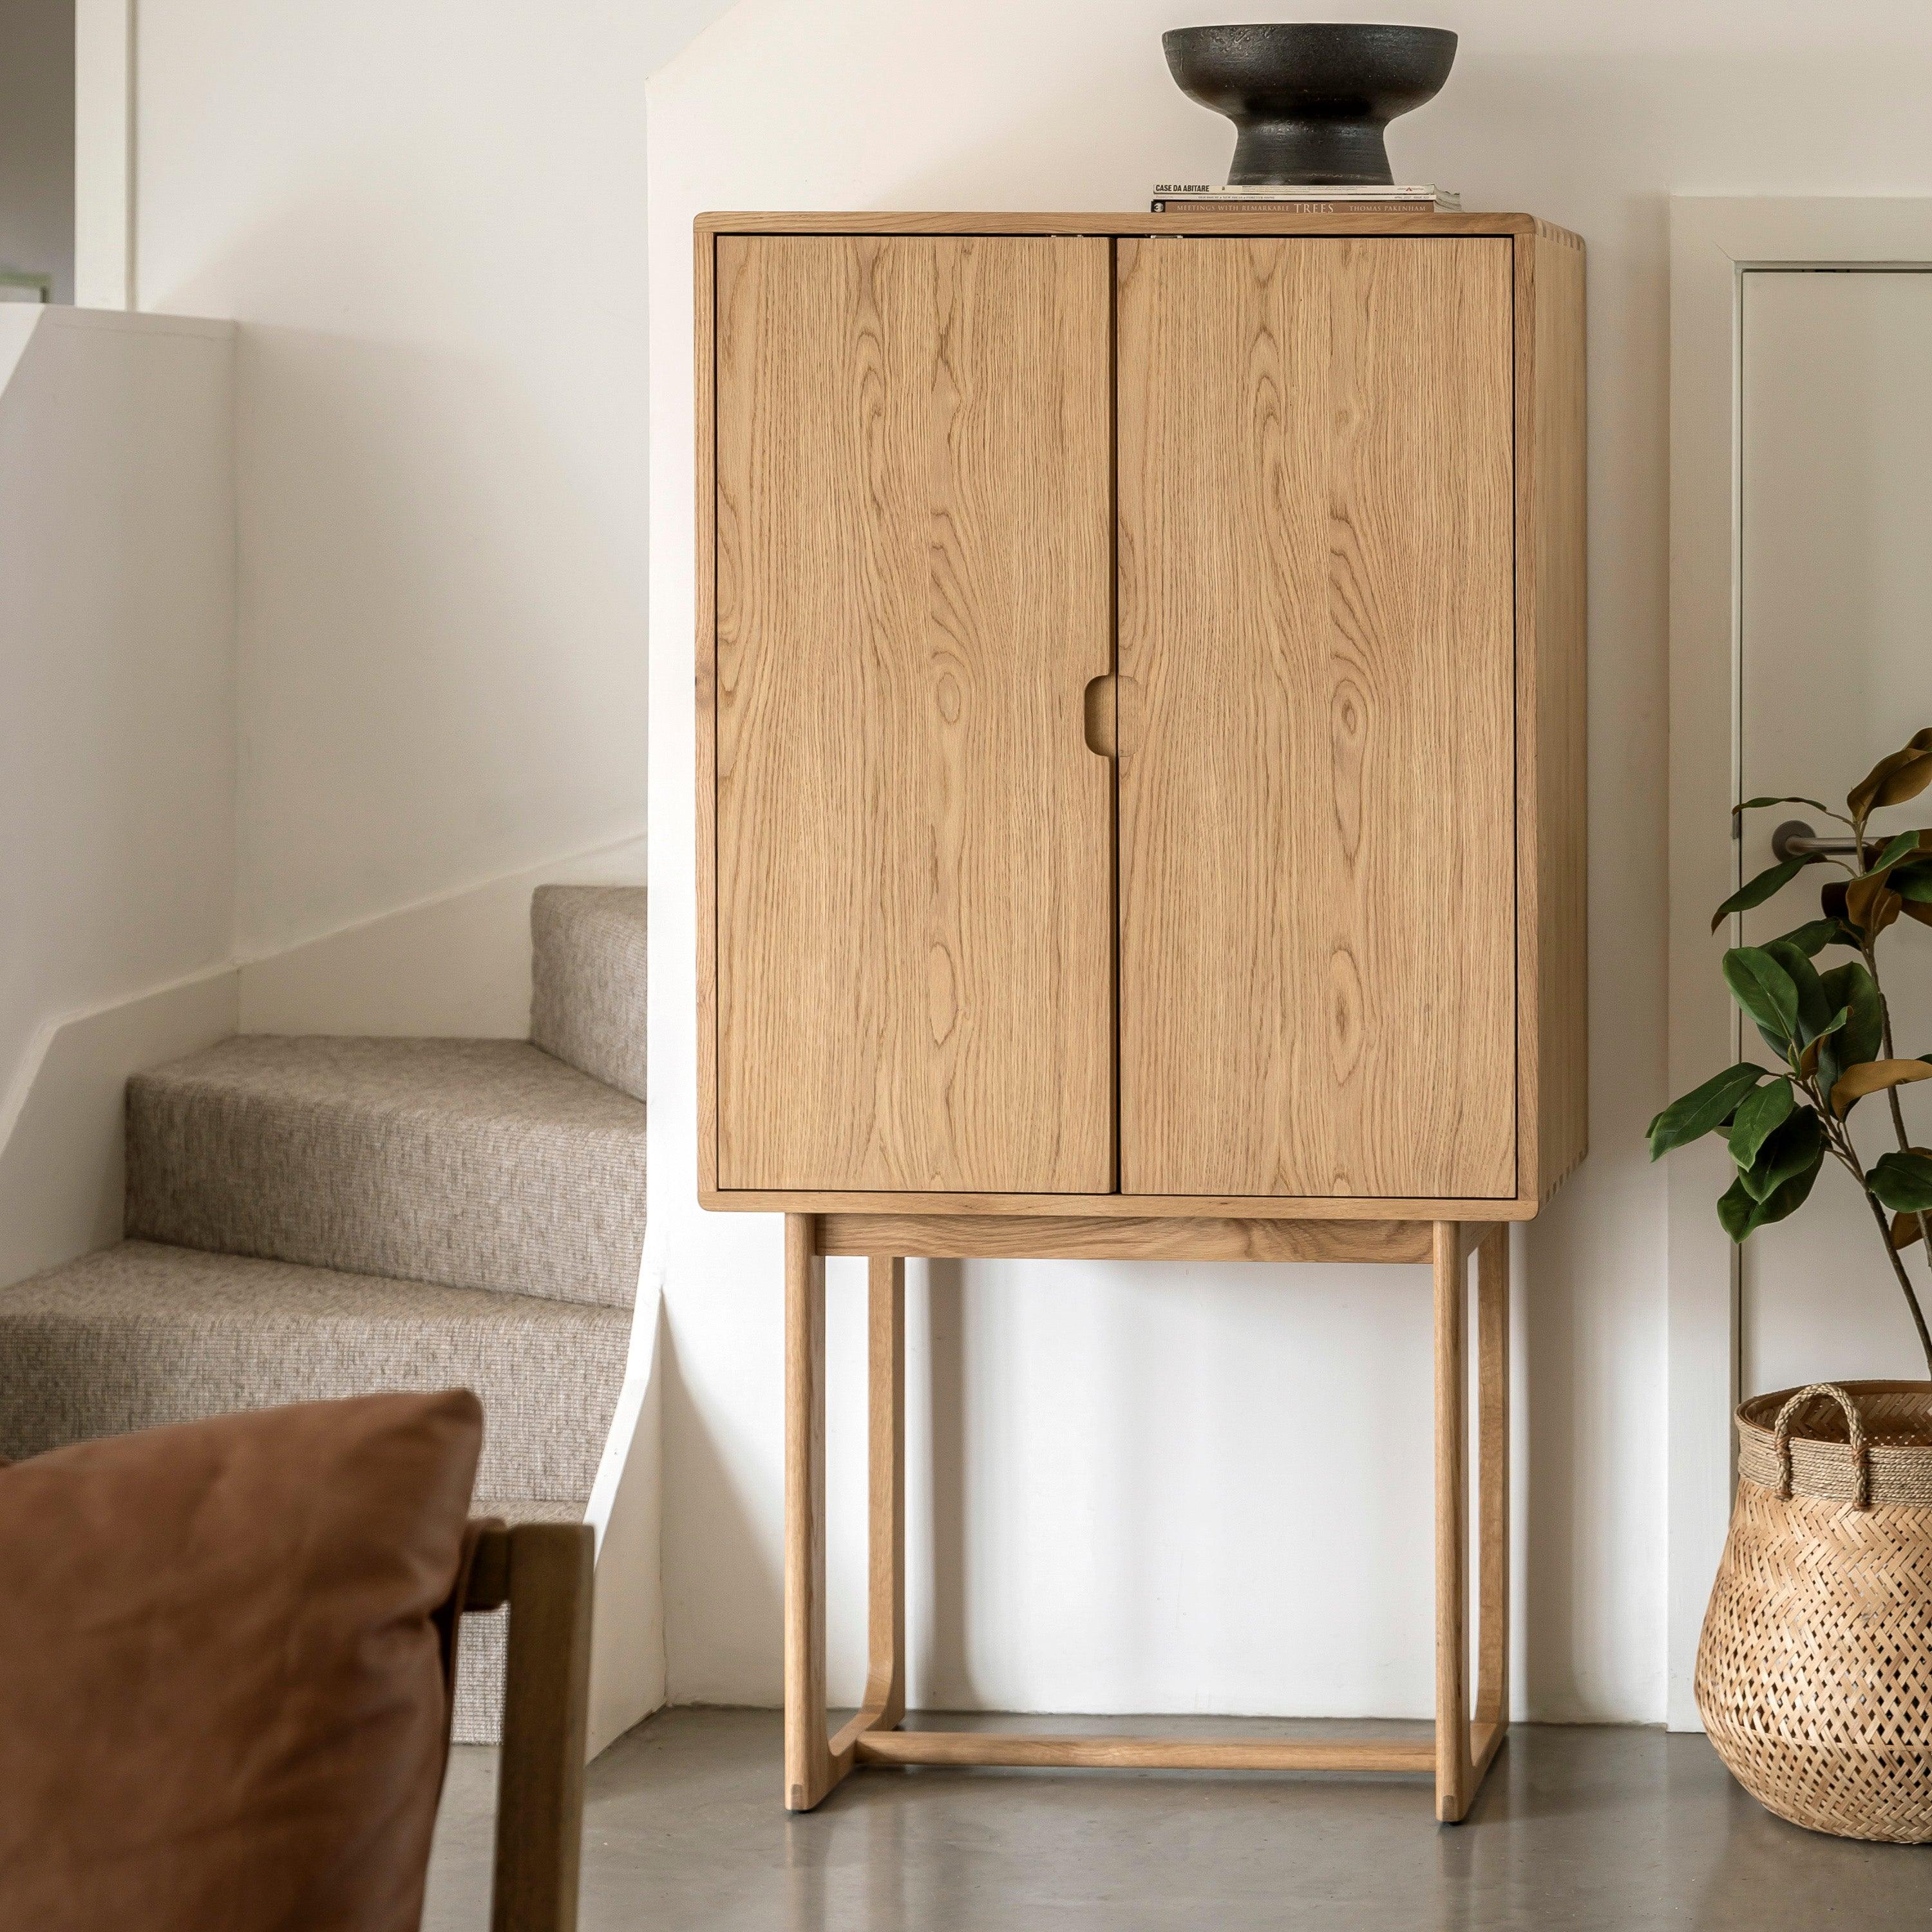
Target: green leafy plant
{"type": "Point", "coordinates": [1830, 1030]}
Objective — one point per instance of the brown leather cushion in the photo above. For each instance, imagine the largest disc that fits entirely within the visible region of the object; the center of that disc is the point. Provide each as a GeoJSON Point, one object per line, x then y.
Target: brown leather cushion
{"type": "Point", "coordinates": [222, 1699]}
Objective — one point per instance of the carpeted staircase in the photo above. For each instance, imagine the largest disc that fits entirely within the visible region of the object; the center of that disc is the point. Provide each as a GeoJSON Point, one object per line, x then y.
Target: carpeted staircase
{"type": "Point", "coordinates": [309, 1217]}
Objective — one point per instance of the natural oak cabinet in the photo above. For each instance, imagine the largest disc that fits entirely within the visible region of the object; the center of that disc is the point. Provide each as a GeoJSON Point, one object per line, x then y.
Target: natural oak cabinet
{"type": "Point", "coordinates": [1140, 808]}
{"type": "Point", "coordinates": [1140, 679]}
{"type": "Point", "coordinates": [914, 843]}
{"type": "Point", "coordinates": [1317, 966]}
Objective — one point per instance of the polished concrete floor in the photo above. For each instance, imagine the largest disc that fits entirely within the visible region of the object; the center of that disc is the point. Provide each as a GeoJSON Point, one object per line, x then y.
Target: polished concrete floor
{"type": "Point", "coordinates": [1597, 1830]}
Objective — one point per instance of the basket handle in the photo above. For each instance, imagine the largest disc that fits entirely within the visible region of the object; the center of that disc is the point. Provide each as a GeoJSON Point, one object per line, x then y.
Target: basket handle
{"type": "Point", "coordinates": [1780, 1439]}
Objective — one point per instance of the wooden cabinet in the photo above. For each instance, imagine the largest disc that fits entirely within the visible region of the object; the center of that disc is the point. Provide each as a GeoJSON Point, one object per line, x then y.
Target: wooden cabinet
{"type": "Point", "coordinates": [1140, 802]}
{"type": "Point", "coordinates": [1140, 696]}
{"type": "Point", "coordinates": [914, 585]}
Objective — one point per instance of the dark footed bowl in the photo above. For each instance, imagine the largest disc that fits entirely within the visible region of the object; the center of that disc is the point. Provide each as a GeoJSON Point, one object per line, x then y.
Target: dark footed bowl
{"type": "Point", "coordinates": [1310, 101]}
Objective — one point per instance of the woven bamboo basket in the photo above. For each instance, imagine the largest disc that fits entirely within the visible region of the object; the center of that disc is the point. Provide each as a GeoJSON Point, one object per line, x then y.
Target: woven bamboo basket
{"type": "Point", "coordinates": [1814, 1671]}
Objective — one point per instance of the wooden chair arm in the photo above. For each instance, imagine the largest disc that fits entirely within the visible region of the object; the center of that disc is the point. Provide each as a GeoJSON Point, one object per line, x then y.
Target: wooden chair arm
{"type": "Point", "coordinates": [543, 1571]}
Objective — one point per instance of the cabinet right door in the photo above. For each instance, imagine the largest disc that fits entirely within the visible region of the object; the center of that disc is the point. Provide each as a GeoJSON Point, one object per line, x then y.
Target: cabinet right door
{"type": "Point", "coordinates": [1316, 773]}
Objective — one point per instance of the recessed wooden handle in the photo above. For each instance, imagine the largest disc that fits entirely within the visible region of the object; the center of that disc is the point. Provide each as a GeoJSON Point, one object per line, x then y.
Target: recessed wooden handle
{"type": "Point", "coordinates": [1103, 716]}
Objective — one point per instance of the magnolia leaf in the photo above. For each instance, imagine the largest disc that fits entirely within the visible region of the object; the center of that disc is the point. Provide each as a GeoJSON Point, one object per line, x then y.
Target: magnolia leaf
{"type": "Point", "coordinates": [1814, 1009]}
{"type": "Point", "coordinates": [1913, 882]}
{"type": "Point", "coordinates": [1790, 1195]}
{"type": "Point", "coordinates": [1851, 987]}
{"type": "Point", "coordinates": [1763, 988]}
{"type": "Point", "coordinates": [1742, 1213]}
{"type": "Point", "coordinates": [1796, 1145]}
{"type": "Point", "coordinates": [1758, 1114]}
{"type": "Point", "coordinates": [1875, 1076]}
{"type": "Point", "coordinates": [1895, 854]}
{"type": "Point", "coordinates": [1815, 1047]}
{"type": "Point", "coordinates": [1752, 805]}
{"type": "Point", "coordinates": [1903, 1182]}
{"type": "Point", "coordinates": [1922, 913]}
{"type": "Point", "coordinates": [1737, 1211]}
{"type": "Point", "coordinates": [1697, 1113]}
{"type": "Point", "coordinates": [1870, 903]}
{"type": "Point", "coordinates": [1908, 782]}
{"type": "Point", "coordinates": [1906, 1228]}
{"type": "Point", "coordinates": [1772, 880]}
{"type": "Point", "coordinates": [1893, 780]}
{"type": "Point", "coordinates": [1812, 937]}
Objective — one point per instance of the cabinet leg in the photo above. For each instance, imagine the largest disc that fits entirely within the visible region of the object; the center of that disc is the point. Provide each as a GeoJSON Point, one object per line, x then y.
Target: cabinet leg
{"type": "Point", "coordinates": [884, 1703]}
{"type": "Point", "coordinates": [808, 1773]}
{"type": "Point", "coordinates": [1452, 1707]}
{"type": "Point", "coordinates": [1492, 1476]}
{"type": "Point", "coordinates": [885, 1682]}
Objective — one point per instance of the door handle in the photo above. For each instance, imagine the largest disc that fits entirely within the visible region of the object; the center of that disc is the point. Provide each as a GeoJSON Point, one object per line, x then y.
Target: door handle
{"type": "Point", "coordinates": [1103, 712]}
{"type": "Point", "coordinates": [1795, 839]}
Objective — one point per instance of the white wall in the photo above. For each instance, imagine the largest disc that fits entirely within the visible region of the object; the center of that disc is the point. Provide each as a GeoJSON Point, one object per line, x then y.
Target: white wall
{"type": "Point", "coordinates": [37, 140]}
{"type": "Point", "coordinates": [430, 222]}
{"type": "Point", "coordinates": [456, 967]}
{"type": "Point", "coordinates": [1117, 1460]}
{"type": "Point", "coordinates": [117, 723]}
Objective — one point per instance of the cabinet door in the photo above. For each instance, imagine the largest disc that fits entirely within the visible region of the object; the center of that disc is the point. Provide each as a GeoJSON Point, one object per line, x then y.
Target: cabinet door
{"type": "Point", "coordinates": [915, 844]}
{"type": "Point", "coordinates": [1318, 900]}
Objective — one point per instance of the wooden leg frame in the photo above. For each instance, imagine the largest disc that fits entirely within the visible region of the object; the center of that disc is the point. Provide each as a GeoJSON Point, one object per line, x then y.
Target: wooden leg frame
{"type": "Point", "coordinates": [543, 1571]}
{"type": "Point", "coordinates": [1466, 1737]}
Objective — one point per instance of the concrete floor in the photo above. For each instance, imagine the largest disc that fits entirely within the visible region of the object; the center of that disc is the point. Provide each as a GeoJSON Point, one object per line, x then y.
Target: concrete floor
{"type": "Point", "coordinates": [1623, 1830]}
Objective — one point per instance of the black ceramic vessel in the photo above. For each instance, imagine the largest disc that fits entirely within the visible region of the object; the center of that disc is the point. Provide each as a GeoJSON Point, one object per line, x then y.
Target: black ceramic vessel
{"type": "Point", "coordinates": [1310, 101]}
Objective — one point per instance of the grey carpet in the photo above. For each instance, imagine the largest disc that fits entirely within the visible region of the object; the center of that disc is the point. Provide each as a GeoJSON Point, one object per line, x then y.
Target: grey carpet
{"type": "Point", "coordinates": [476, 1163]}
{"type": "Point", "coordinates": [142, 1334]}
{"type": "Point", "coordinates": [587, 980]}
{"type": "Point", "coordinates": [314, 1217]}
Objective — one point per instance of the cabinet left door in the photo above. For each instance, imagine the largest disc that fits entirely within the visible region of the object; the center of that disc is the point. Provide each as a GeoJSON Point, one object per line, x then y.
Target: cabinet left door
{"type": "Point", "coordinates": [913, 884]}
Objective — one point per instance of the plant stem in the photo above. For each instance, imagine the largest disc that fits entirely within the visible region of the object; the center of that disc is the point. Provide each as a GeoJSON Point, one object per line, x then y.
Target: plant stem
{"type": "Point", "coordinates": [1837, 1137]}
{"type": "Point", "coordinates": [1904, 1279]}
{"type": "Point", "coordinates": [1892, 1093]}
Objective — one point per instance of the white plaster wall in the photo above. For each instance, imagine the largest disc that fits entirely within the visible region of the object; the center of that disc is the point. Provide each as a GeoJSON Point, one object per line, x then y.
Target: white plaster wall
{"type": "Point", "coordinates": [1205, 1487]}
{"type": "Point", "coordinates": [429, 221]}
{"type": "Point", "coordinates": [456, 967]}
{"type": "Point", "coordinates": [117, 715]}
{"type": "Point", "coordinates": [117, 734]}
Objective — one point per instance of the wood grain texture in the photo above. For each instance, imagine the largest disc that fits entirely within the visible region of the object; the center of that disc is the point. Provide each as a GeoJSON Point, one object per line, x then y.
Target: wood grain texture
{"type": "Point", "coordinates": [1463, 1745]}
{"type": "Point", "coordinates": [1248, 221]}
{"type": "Point", "coordinates": [914, 843]}
{"type": "Point", "coordinates": [704, 574]}
{"type": "Point", "coordinates": [1452, 1765]}
{"type": "Point", "coordinates": [1316, 669]}
{"type": "Point", "coordinates": [886, 1631]}
{"type": "Point", "coordinates": [809, 1771]}
{"type": "Point", "coordinates": [1127, 1753]}
{"type": "Point", "coordinates": [1493, 1478]}
{"type": "Point", "coordinates": [546, 1701]}
{"type": "Point", "coordinates": [1552, 752]}
{"type": "Point", "coordinates": [1127, 1206]}
{"type": "Point", "coordinates": [1097, 1238]}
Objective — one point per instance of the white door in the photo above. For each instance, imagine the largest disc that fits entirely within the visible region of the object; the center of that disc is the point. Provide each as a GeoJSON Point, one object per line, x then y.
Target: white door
{"type": "Point", "coordinates": [1835, 631]}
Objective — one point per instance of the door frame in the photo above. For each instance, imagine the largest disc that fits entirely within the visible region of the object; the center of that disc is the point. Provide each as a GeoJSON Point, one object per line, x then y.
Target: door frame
{"type": "Point", "coordinates": [1715, 242]}
{"type": "Point", "coordinates": [105, 75]}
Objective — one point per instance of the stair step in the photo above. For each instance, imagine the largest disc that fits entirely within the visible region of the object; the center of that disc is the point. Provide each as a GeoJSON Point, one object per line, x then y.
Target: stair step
{"type": "Point", "coordinates": [474, 1163]}
{"type": "Point", "coordinates": [587, 965]}
{"type": "Point", "coordinates": [145, 1334]}
{"type": "Point", "coordinates": [484, 1648]}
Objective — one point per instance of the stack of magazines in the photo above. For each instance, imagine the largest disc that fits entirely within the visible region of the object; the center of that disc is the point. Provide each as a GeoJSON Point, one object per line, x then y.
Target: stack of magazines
{"type": "Point", "coordinates": [1169, 195]}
